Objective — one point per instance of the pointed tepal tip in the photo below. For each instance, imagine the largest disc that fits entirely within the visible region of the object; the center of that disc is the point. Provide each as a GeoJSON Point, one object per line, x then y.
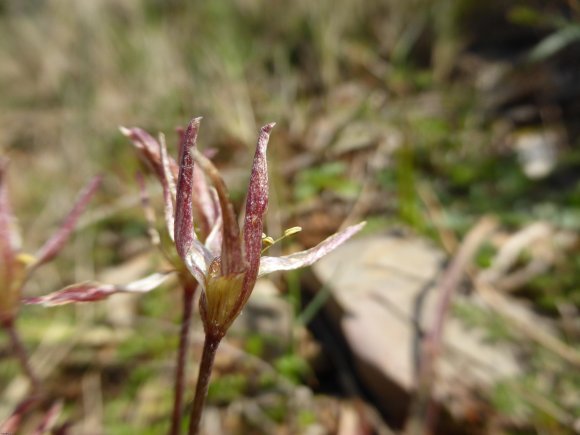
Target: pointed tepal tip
{"type": "Point", "coordinates": [359, 226]}
{"type": "Point", "coordinates": [264, 137]}
{"type": "Point", "coordinates": [268, 127]}
{"type": "Point", "coordinates": [125, 131]}
{"type": "Point", "coordinates": [196, 121]}
{"type": "Point", "coordinates": [192, 128]}
{"type": "Point", "coordinates": [353, 229]}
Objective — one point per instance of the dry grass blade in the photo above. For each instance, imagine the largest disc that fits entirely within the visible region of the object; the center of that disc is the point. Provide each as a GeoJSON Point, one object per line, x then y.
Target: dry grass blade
{"type": "Point", "coordinates": [54, 245]}
{"type": "Point", "coordinates": [497, 302]}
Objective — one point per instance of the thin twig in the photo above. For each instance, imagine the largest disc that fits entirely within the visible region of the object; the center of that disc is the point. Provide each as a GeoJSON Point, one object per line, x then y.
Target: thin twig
{"type": "Point", "coordinates": [437, 217]}
{"type": "Point", "coordinates": [496, 300]}
{"type": "Point", "coordinates": [20, 353]}
{"type": "Point", "coordinates": [423, 413]}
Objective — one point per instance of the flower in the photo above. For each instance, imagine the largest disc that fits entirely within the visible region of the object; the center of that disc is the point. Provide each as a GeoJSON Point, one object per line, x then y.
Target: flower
{"type": "Point", "coordinates": [16, 266]}
{"type": "Point", "coordinates": [225, 260]}
{"type": "Point", "coordinates": [154, 153]}
{"type": "Point", "coordinates": [227, 272]}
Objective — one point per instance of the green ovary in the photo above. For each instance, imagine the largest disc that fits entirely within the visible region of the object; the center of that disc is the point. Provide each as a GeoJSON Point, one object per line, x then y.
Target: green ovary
{"type": "Point", "coordinates": [222, 293]}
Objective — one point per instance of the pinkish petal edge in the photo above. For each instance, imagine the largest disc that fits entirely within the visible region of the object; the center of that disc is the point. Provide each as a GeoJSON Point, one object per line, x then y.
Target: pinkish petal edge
{"type": "Point", "coordinates": [169, 189]}
{"type": "Point", "coordinates": [203, 209]}
{"type": "Point", "coordinates": [184, 232]}
{"type": "Point", "coordinates": [148, 149]}
{"type": "Point", "coordinates": [310, 256]}
{"type": "Point", "coordinates": [213, 242]}
{"type": "Point", "coordinates": [55, 244]}
{"type": "Point", "coordinates": [166, 165]}
{"type": "Point", "coordinates": [93, 291]}
{"type": "Point", "coordinates": [256, 205]}
{"type": "Point", "coordinates": [197, 266]}
{"type": "Point", "coordinates": [231, 259]}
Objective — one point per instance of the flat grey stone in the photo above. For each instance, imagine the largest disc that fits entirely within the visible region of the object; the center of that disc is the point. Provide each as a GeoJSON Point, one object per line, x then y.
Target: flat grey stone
{"type": "Point", "coordinates": [385, 287]}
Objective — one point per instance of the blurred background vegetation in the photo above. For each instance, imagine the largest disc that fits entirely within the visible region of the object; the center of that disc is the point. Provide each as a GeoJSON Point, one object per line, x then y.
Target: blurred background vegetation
{"type": "Point", "coordinates": [387, 111]}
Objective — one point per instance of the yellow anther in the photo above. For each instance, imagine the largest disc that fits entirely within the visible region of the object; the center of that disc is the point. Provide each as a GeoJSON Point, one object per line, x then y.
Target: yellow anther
{"type": "Point", "coordinates": [291, 231]}
{"type": "Point", "coordinates": [25, 258]}
{"type": "Point", "coordinates": [269, 241]}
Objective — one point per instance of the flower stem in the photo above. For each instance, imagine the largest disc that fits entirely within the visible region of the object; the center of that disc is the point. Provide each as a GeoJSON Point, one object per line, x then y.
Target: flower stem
{"type": "Point", "coordinates": [20, 353]}
{"type": "Point", "coordinates": [210, 347]}
{"type": "Point", "coordinates": [188, 293]}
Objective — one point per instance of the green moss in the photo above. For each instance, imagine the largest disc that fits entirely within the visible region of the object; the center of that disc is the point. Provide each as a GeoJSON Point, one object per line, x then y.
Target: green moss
{"type": "Point", "coordinates": [292, 366]}
{"type": "Point", "coordinates": [254, 345]}
{"type": "Point", "coordinates": [227, 388]}
{"type": "Point", "coordinates": [485, 255]}
{"type": "Point", "coordinates": [306, 417]}
{"type": "Point", "coordinates": [147, 344]}
{"type": "Point", "coordinates": [277, 410]}
{"type": "Point", "coordinates": [507, 401]}
{"type": "Point", "coordinates": [495, 328]}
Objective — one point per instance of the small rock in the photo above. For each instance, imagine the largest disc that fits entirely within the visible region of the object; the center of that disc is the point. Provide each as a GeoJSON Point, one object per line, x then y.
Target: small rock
{"type": "Point", "coordinates": [537, 151]}
{"type": "Point", "coordinates": [385, 287]}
